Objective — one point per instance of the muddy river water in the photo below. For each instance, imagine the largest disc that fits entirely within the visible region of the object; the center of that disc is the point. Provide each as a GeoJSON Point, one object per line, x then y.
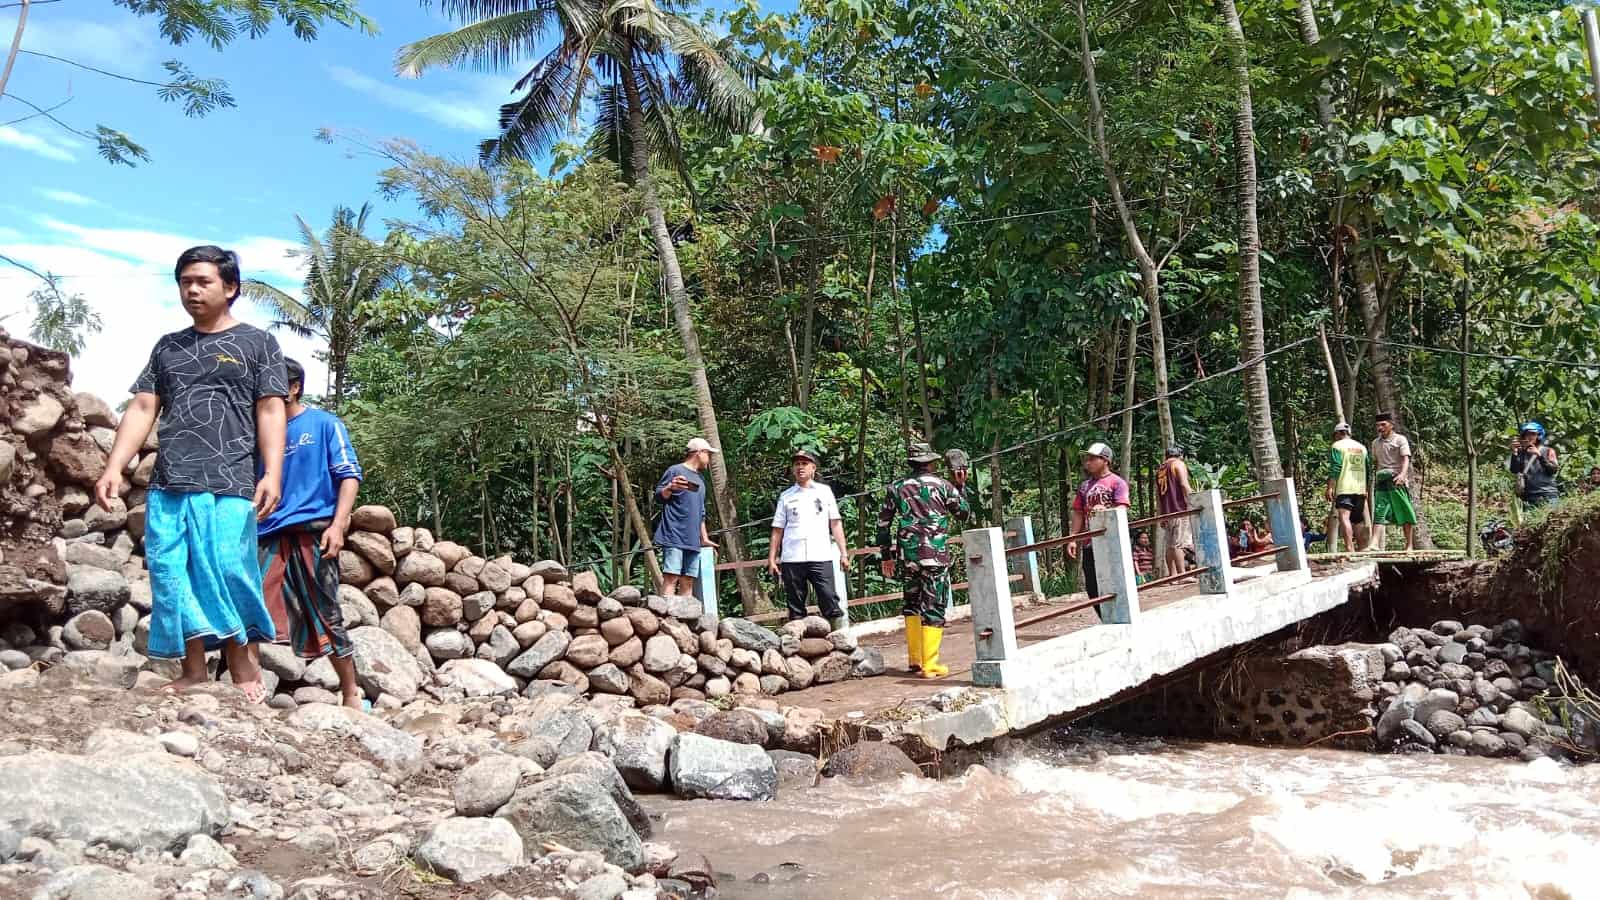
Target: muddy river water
{"type": "Point", "coordinates": [1098, 815]}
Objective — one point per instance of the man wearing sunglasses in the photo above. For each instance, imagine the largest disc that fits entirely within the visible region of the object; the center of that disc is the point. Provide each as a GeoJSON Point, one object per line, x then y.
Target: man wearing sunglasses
{"type": "Point", "coordinates": [808, 532]}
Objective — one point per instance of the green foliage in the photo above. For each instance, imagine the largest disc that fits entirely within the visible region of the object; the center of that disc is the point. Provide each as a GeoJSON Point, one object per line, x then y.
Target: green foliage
{"type": "Point", "coordinates": [61, 321]}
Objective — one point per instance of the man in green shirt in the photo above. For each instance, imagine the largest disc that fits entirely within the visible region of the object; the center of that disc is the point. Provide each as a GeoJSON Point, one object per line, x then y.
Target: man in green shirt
{"type": "Point", "coordinates": [1347, 485]}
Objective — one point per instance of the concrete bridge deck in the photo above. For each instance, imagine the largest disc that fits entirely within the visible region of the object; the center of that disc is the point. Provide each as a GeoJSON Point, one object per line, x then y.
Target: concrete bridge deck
{"type": "Point", "coordinates": [1075, 662]}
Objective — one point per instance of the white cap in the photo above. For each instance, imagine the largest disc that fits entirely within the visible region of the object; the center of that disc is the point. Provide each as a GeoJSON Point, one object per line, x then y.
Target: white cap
{"type": "Point", "coordinates": [699, 444]}
{"type": "Point", "coordinates": [1101, 450]}
{"type": "Point", "coordinates": [1342, 426]}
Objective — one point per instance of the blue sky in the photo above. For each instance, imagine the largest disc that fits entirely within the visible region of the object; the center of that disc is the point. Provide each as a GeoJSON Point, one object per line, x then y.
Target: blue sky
{"type": "Point", "coordinates": [237, 177]}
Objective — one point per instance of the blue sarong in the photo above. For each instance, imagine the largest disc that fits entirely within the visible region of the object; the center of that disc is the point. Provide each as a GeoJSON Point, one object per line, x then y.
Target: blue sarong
{"type": "Point", "coordinates": [205, 581]}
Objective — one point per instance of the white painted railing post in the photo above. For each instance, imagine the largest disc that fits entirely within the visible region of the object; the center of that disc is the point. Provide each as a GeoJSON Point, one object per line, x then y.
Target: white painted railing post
{"type": "Point", "coordinates": [1211, 542]}
{"type": "Point", "coordinates": [841, 586]}
{"type": "Point", "coordinates": [1027, 564]}
{"type": "Point", "coordinates": [1283, 517]}
{"type": "Point", "coordinates": [1113, 566]}
{"type": "Point", "coordinates": [993, 629]}
{"type": "Point", "coordinates": [705, 587]}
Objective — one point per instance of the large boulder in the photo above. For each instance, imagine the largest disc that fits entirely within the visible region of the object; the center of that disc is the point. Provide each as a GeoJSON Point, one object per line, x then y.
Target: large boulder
{"type": "Point", "coordinates": [747, 635]}
{"type": "Point", "coordinates": [92, 588]}
{"type": "Point", "coordinates": [373, 518]}
{"type": "Point", "coordinates": [545, 650]}
{"type": "Point", "coordinates": [477, 677]}
{"type": "Point", "coordinates": [590, 650]}
{"type": "Point", "coordinates": [640, 747]}
{"type": "Point", "coordinates": [405, 625]}
{"type": "Point", "coordinates": [374, 548]}
{"type": "Point", "coordinates": [598, 767]}
{"type": "Point", "coordinates": [870, 761]}
{"type": "Point", "coordinates": [486, 785]}
{"type": "Point", "coordinates": [574, 811]}
{"type": "Point", "coordinates": [38, 415]}
{"type": "Point", "coordinates": [441, 607]}
{"type": "Point", "coordinates": [721, 770]}
{"type": "Point", "coordinates": [126, 801]}
{"type": "Point", "coordinates": [660, 654]}
{"type": "Point", "coordinates": [384, 665]}
{"type": "Point", "coordinates": [420, 567]}
{"type": "Point", "coordinates": [736, 726]}
{"type": "Point", "coordinates": [354, 570]}
{"type": "Point", "coordinates": [395, 749]}
{"type": "Point", "coordinates": [468, 850]}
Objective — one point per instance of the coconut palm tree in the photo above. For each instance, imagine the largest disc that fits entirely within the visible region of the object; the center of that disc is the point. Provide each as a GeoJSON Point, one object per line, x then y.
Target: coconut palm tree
{"type": "Point", "coordinates": [638, 64]}
{"type": "Point", "coordinates": [344, 272]}
{"type": "Point", "coordinates": [1252, 338]}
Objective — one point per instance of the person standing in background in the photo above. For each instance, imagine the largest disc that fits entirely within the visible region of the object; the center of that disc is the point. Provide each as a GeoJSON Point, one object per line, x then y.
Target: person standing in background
{"type": "Point", "coordinates": [1103, 489]}
{"type": "Point", "coordinates": [1391, 501]}
{"type": "Point", "coordinates": [914, 533]}
{"type": "Point", "coordinates": [1172, 495]}
{"type": "Point", "coordinates": [808, 541]}
{"type": "Point", "coordinates": [1535, 466]}
{"type": "Point", "coordinates": [301, 540]}
{"type": "Point", "coordinates": [1347, 485]}
{"type": "Point", "coordinates": [681, 530]}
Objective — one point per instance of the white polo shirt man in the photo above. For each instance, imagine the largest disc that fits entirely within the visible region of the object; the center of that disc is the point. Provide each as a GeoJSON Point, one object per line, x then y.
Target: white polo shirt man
{"type": "Point", "coordinates": [807, 539]}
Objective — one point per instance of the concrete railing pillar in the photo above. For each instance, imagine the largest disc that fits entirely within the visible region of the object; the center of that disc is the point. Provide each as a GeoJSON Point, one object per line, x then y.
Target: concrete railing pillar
{"type": "Point", "coordinates": [1113, 566]}
{"type": "Point", "coordinates": [705, 587]}
{"type": "Point", "coordinates": [1283, 517]}
{"type": "Point", "coordinates": [841, 585]}
{"type": "Point", "coordinates": [1211, 542]}
{"type": "Point", "coordinates": [993, 627]}
{"type": "Point", "coordinates": [1025, 564]}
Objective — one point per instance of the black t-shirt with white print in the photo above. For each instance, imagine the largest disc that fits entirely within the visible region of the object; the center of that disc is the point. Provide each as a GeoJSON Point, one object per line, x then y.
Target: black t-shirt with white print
{"type": "Point", "coordinates": [208, 385]}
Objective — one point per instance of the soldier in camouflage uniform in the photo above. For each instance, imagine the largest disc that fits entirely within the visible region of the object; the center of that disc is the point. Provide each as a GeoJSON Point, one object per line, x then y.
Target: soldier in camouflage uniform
{"type": "Point", "coordinates": [914, 531]}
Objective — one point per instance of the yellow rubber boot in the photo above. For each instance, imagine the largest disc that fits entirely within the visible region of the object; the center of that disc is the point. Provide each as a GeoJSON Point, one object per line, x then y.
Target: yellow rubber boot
{"type": "Point", "coordinates": [931, 639]}
{"type": "Point", "coordinates": [914, 644]}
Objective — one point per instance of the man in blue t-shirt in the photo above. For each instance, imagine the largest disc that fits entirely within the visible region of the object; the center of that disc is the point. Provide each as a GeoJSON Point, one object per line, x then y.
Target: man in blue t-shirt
{"type": "Point", "coordinates": [681, 530]}
{"type": "Point", "coordinates": [301, 540]}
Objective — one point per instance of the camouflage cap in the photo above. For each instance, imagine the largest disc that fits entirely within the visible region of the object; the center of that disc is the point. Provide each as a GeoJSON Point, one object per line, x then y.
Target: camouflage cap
{"type": "Point", "coordinates": [920, 453]}
{"type": "Point", "coordinates": [956, 458]}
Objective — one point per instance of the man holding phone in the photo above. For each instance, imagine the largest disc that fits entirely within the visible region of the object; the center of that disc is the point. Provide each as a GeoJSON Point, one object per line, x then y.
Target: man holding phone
{"type": "Point", "coordinates": [681, 530]}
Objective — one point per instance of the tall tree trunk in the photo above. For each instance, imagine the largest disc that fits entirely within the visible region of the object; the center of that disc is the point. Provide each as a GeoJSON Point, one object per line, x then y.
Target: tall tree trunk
{"type": "Point", "coordinates": [997, 502]}
{"type": "Point", "coordinates": [808, 345]}
{"type": "Point", "coordinates": [726, 494]}
{"type": "Point", "coordinates": [533, 540]}
{"type": "Point", "coordinates": [865, 344]}
{"type": "Point", "coordinates": [16, 45]}
{"type": "Point", "coordinates": [1258, 394]}
{"type": "Point", "coordinates": [922, 370]}
{"type": "Point", "coordinates": [1375, 316]}
{"type": "Point", "coordinates": [641, 527]}
{"type": "Point", "coordinates": [899, 330]}
{"type": "Point", "coordinates": [1466, 426]}
{"type": "Point", "coordinates": [1149, 272]}
{"type": "Point", "coordinates": [1129, 382]}
{"type": "Point", "coordinates": [1306, 13]}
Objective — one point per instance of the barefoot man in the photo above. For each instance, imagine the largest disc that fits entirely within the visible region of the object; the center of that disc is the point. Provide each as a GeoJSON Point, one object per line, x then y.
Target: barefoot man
{"type": "Point", "coordinates": [217, 388]}
{"type": "Point", "coordinates": [301, 540]}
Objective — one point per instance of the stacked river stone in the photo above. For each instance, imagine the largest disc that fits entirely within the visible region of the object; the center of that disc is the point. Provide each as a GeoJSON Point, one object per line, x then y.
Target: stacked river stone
{"type": "Point", "coordinates": [1466, 689]}
{"type": "Point", "coordinates": [422, 612]}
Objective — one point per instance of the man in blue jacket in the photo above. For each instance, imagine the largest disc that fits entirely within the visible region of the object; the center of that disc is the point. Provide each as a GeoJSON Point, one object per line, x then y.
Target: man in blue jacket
{"type": "Point", "coordinates": [301, 540]}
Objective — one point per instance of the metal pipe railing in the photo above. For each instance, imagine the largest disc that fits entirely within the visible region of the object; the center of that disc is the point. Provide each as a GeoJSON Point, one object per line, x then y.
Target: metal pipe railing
{"type": "Point", "coordinates": [1230, 504]}
{"type": "Point", "coordinates": [1055, 613]}
{"type": "Point", "coordinates": [1055, 542]}
{"type": "Point", "coordinates": [1257, 554]}
{"type": "Point", "coordinates": [1151, 520]}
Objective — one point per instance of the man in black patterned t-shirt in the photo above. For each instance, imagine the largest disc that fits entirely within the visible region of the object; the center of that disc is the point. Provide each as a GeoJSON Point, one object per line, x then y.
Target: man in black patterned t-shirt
{"type": "Point", "coordinates": [217, 389]}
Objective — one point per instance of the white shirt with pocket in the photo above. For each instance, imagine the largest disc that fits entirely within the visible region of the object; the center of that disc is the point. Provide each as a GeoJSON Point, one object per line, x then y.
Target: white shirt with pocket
{"type": "Point", "coordinates": [804, 514]}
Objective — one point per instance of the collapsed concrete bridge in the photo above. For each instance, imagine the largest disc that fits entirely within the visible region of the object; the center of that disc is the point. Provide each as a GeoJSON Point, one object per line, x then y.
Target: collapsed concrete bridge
{"type": "Point", "coordinates": [1020, 662]}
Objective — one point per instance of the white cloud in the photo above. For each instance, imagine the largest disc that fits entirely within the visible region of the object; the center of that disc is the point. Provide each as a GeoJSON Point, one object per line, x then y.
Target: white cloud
{"type": "Point", "coordinates": [458, 111]}
{"type": "Point", "coordinates": [125, 275]}
{"type": "Point", "coordinates": [49, 148]}
{"type": "Point", "coordinates": [67, 197]}
{"type": "Point", "coordinates": [123, 50]}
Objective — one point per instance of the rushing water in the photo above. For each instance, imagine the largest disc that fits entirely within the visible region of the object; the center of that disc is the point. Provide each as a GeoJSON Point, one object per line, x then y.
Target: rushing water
{"type": "Point", "coordinates": [1101, 815]}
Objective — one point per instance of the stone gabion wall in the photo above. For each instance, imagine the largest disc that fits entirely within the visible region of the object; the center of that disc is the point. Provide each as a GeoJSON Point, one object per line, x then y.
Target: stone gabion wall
{"type": "Point", "coordinates": [424, 613]}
